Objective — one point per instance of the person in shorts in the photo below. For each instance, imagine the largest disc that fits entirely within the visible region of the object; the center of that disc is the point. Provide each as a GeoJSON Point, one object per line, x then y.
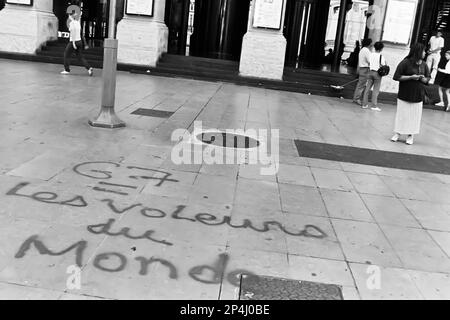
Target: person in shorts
{"type": "Point", "coordinates": [443, 80]}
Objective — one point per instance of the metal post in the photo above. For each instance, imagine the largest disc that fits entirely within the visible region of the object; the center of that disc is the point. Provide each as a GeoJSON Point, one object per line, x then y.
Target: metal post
{"type": "Point", "coordinates": [339, 34]}
{"type": "Point", "coordinates": [107, 117]}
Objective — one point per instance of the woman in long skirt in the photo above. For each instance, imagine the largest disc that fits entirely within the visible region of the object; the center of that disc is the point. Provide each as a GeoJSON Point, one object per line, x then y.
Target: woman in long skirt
{"type": "Point", "coordinates": [413, 74]}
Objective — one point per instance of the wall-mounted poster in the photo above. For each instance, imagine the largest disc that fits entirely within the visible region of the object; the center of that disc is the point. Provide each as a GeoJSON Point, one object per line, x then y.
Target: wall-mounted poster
{"type": "Point", "coordinates": [140, 7]}
{"type": "Point", "coordinates": [268, 14]}
{"type": "Point", "coordinates": [399, 21]}
{"type": "Point", "coordinates": [22, 2]}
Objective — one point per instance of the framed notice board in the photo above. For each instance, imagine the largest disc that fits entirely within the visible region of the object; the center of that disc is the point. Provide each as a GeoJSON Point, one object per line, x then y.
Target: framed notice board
{"type": "Point", "coordinates": [140, 7]}
{"type": "Point", "coordinates": [268, 14]}
{"type": "Point", "coordinates": [21, 2]}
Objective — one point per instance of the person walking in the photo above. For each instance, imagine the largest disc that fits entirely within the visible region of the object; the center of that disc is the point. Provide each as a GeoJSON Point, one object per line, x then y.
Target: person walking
{"type": "Point", "coordinates": [75, 44]}
{"type": "Point", "coordinates": [413, 74]}
{"type": "Point", "coordinates": [437, 43]}
{"type": "Point", "coordinates": [443, 80]}
{"type": "Point", "coordinates": [363, 71]}
{"type": "Point", "coordinates": [374, 78]}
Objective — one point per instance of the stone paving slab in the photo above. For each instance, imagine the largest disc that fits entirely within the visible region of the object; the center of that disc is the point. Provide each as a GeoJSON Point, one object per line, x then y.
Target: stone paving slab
{"type": "Point", "coordinates": [113, 203]}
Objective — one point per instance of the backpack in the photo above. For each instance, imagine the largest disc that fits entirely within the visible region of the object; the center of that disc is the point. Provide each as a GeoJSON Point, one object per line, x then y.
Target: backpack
{"type": "Point", "coordinates": [383, 70]}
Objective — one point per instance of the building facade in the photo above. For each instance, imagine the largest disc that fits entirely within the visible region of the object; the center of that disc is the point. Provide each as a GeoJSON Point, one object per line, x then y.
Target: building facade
{"type": "Point", "coordinates": [264, 36]}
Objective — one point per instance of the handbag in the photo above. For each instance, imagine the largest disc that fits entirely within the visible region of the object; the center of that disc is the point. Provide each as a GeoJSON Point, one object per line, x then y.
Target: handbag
{"type": "Point", "coordinates": [383, 70]}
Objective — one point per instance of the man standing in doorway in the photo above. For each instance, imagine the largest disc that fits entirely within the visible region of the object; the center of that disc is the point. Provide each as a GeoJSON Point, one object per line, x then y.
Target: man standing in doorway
{"type": "Point", "coordinates": [363, 70]}
{"type": "Point", "coordinates": [437, 43]}
{"type": "Point", "coordinates": [75, 44]}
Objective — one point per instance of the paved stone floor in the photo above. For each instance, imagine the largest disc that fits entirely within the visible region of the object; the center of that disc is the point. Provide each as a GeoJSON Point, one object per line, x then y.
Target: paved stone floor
{"type": "Point", "coordinates": [164, 231]}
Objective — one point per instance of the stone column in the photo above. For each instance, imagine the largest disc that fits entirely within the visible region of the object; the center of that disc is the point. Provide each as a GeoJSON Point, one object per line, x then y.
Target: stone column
{"type": "Point", "coordinates": [263, 50]}
{"type": "Point", "coordinates": [142, 40]}
{"type": "Point", "coordinates": [24, 29]}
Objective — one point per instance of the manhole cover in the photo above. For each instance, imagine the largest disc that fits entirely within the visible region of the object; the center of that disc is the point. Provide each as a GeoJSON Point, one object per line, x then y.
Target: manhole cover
{"type": "Point", "coordinates": [269, 288]}
{"type": "Point", "coordinates": [228, 140]}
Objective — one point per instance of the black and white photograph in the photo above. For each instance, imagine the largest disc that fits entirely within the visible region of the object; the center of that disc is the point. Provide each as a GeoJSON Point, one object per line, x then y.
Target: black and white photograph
{"type": "Point", "coordinates": [244, 155]}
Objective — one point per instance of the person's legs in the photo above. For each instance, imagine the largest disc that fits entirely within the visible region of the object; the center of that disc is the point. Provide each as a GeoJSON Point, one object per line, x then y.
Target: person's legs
{"type": "Point", "coordinates": [447, 92]}
{"type": "Point", "coordinates": [396, 137]}
{"type": "Point", "coordinates": [369, 85]}
{"type": "Point", "coordinates": [430, 61]}
{"type": "Point", "coordinates": [410, 139]}
{"type": "Point", "coordinates": [376, 89]}
{"type": "Point", "coordinates": [67, 54]}
{"type": "Point", "coordinates": [80, 55]}
{"type": "Point", "coordinates": [361, 86]}
{"type": "Point", "coordinates": [435, 59]}
{"type": "Point", "coordinates": [441, 97]}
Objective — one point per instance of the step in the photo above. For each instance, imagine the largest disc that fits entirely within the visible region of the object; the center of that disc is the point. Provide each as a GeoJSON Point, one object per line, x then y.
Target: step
{"type": "Point", "coordinates": [194, 65]}
{"type": "Point", "coordinates": [235, 78]}
{"type": "Point", "coordinates": [86, 54]}
{"type": "Point", "coordinates": [211, 74]}
{"type": "Point", "coordinates": [276, 85]}
{"type": "Point", "coordinates": [199, 62]}
{"type": "Point", "coordinates": [197, 68]}
{"type": "Point", "coordinates": [187, 59]}
{"type": "Point", "coordinates": [56, 60]}
{"type": "Point", "coordinates": [305, 75]}
{"type": "Point", "coordinates": [242, 81]}
{"type": "Point", "coordinates": [61, 49]}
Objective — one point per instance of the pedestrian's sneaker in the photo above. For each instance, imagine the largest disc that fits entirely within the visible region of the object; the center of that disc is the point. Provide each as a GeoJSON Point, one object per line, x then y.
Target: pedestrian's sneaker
{"type": "Point", "coordinates": [91, 72]}
{"type": "Point", "coordinates": [376, 109]}
{"type": "Point", "coordinates": [395, 138]}
{"type": "Point", "coordinates": [410, 140]}
{"type": "Point", "coordinates": [65, 72]}
{"type": "Point", "coordinates": [448, 108]}
{"type": "Point", "coordinates": [440, 104]}
{"type": "Point", "coordinates": [358, 102]}
{"type": "Point", "coordinates": [365, 107]}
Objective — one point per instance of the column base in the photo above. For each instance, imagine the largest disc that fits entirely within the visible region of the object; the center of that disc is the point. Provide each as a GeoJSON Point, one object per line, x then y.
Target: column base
{"type": "Point", "coordinates": [25, 31]}
{"type": "Point", "coordinates": [141, 42]}
{"type": "Point", "coordinates": [107, 119]}
{"type": "Point", "coordinates": [263, 55]}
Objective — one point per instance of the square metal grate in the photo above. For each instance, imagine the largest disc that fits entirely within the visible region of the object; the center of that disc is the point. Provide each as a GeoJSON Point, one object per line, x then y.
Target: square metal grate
{"type": "Point", "coordinates": [269, 288]}
{"type": "Point", "coordinates": [152, 113]}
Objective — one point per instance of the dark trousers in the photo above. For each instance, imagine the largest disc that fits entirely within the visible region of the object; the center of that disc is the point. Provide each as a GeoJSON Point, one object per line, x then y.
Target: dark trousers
{"type": "Point", "coordinates": [79, 52]}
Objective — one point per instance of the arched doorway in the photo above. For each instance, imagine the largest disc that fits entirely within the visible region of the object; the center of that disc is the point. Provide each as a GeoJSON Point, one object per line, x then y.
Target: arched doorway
{"type": "Point", "coordinates": [207, 28]}
{"type": "Point", "coordinates": [305, 28]}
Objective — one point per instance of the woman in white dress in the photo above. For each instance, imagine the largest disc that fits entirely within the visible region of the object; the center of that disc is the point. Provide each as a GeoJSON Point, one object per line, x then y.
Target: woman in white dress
{"type": "Point", "coordinates": [413, 74]}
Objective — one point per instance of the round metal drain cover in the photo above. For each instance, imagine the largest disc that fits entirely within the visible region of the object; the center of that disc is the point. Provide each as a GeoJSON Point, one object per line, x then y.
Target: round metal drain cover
{"type": "Point", "coordinates": [228, 140]}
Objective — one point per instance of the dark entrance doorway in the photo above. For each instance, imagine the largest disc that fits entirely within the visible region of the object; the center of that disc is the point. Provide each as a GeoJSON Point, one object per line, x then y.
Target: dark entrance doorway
{"type": "Point", "coordinates": [305, 29]}
{"type": "Point", "coordinates": [207, 28]}
{"type": "Point", "coordinates": [94, 21]}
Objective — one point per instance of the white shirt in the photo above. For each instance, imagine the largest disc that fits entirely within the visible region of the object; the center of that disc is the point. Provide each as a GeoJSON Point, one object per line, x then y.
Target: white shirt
{"type": "Point", "coordinates": [375, 61]}
{"type": "Point", "coordinates": [75, 31]}
{"type": "Point", "coordinates": [447, 68]}
{"type": "Point", "coordinates": [364, 58]}
{"type": "Point", "coordinates": [436, 43]}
